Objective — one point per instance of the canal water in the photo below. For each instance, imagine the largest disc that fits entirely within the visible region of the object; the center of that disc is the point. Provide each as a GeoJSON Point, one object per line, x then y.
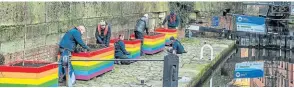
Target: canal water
{"type": "Point", "coordinates": [278, 69]}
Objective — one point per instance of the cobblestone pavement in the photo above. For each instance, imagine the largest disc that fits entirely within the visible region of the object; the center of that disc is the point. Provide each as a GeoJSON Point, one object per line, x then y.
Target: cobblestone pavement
{"type": "Point", "coordinates": [151, 72]}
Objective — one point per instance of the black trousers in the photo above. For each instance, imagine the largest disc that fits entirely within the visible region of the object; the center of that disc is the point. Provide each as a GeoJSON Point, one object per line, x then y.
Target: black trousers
{"type": "Point", "coordinates": [139, 35]}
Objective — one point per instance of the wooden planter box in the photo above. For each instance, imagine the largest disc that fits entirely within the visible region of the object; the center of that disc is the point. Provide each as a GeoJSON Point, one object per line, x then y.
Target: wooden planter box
{"type": "Point", "coordinates": [85, 70]}
{"type": "Point", "coordinates": [152, 44]}
{"type": "Point", "coordinates": [168, 33]}
{"type": "Point", "coordinates": [132, 46]}
{"type": "Point", "coordinates": [32, 74]}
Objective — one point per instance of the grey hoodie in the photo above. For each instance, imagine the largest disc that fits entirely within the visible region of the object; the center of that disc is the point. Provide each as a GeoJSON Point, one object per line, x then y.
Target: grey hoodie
{"type": "Point", "coordinates": [142, 24]}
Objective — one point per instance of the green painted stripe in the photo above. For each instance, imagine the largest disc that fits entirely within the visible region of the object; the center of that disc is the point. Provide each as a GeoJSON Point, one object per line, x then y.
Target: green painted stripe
{"type": "Point", "coordinates": [47, 84]}
{"type": "Point", "coordinates": [153, 45]}
{"type": "Point", "coordinates": [133, 52]}
{"type": "Point", "coordinates": [87, 68]}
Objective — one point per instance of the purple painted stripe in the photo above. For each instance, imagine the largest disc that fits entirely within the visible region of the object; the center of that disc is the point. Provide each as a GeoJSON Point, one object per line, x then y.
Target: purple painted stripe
{"type": "Point", "coordinates": [167, 43]}
{"type": "Point", "coordinates": [88, 77]}
{"type": "Point", "coordinates": [136, 57]}
{"type": "Point", "coordinates": [152, 52]}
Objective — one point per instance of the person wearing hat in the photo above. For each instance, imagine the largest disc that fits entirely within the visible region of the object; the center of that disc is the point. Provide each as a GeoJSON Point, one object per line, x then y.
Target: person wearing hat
{"type": "Point", "coordinates": [172, 19]}
{"type": "Point", "coordinates": [120, 50]}
{"type": "Point", "coordinates": [177, 47]}
{"type": "Point", "coordinates": [103, 33]}
{"type": "Point", "coordinates": [141, 26]}
{"type": "Point", "coordinates": [67, 44]}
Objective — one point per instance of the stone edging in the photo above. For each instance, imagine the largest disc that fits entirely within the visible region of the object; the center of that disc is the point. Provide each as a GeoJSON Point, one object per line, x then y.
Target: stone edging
{"type": "Point", "coordinates": [198, 77]}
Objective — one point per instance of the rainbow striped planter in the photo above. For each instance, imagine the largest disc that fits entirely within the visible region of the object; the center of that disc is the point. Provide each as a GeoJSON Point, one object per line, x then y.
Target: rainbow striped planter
{"type": "Point", "coordinates": [85, 70]}
{"type": "Point", "coordinates": [19, 76]}
{"type": "Point", "coordinates": [152, 44]}
{"type": "Point", "coordinates": [132, 46]}
{"type": "Point", "coordinates": [168, 33]}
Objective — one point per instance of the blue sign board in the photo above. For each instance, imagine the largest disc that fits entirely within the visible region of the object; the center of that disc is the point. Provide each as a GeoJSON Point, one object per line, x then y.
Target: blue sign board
{"type": "Point", "coordinates": [250, 24]}
{"type": "Point", "coordinates": [215, 21]}
{"type": "Point", "coordinates": [249, 70]}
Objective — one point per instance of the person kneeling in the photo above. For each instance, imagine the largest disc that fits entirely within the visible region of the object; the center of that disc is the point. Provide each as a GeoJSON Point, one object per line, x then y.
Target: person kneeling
{"type": "Point", "coordinates": [120, 50]}
{"type": "Point", "coordinates": [177, 47]}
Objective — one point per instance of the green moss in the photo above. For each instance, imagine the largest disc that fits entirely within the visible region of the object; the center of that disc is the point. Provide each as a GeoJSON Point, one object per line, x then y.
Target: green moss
{"type": "Point", "coordinates": [197, 78]}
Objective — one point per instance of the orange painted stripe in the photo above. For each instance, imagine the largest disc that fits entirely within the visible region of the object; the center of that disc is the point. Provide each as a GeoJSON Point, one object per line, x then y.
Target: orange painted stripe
{"type": "Point", "coordinates": [133, 45]}
{"type": "Point", "coordinates": [22, 75]}
{"type": "Point", "coordinates": [154, 40]}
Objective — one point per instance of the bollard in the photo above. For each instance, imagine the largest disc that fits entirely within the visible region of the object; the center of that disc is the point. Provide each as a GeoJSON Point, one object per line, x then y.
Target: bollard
{"type": "Point", "coordinates": [170, 70]}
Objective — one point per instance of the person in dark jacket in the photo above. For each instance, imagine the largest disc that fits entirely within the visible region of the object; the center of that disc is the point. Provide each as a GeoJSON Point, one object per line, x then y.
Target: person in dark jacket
{"type": "Point", "coordinates": [177, 47]}
{"type": "Point", "coordinates": [172, 20]}
{"type": "Point", "coordinates": [141, 26]}
{"type": "Point", "coordinates": [103, 33]}
{"type": "Point", "coordinates": [67, 44]}
{"type": "Point", "coordinates": [120, 50]}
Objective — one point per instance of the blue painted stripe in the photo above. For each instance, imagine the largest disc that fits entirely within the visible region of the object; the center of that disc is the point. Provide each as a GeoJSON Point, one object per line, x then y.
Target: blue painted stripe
{"type": "Point", "coordinates": [92, 71]}
{"type": "Point", "coordinates": [155, 48]}
{"type": "Point", "coordinates": [167, 40]}
{"type": "Point", "coordinates": [136, 55]}
{"type": "Point", "coordinates": [54, 85]}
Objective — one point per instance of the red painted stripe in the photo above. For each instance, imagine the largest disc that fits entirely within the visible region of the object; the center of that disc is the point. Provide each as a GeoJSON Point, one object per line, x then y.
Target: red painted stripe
{"type": "Point", "coordinates": [136, 41]}
{"type": "Point", "coordinates": [151, 37]}
{"type": "Point", "coordinates": [132, 41]}
{"type": "Point", "coordinates": [8, 68]}
{"type": "Point", "coordinates": [113, 40]}
{"type": "Point", "coordinates": [93, 53]}
{"type": "Point", "coordinates": [165, 30]}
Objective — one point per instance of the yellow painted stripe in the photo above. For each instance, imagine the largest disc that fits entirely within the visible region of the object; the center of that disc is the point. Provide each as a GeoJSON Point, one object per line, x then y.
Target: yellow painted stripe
{"type": "Point", "coordinates": [28, 81]}
{"type": "Point", "coordinates": [154, 43]}
{"type": "Point", "coordinates": [133, 49]}
{"type": "Point", "coordinates": [175, 35]}
{"type": "Point", "coordinates": [22, 75]}
{"type": "Point", "coordinates": [90, 63]}
{"type": "Point", "coordinates": [133, 45]}
{"type": "Point", "coordinates": [168, 34]}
